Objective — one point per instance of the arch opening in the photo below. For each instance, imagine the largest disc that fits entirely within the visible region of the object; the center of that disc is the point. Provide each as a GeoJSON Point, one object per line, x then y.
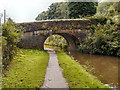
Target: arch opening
{"type": "Point", "coordinates": [37, 41]}
{"type": "Point", "coordinates": [63, 40]}
{"type": "Point", "coordinates": [54, 41]}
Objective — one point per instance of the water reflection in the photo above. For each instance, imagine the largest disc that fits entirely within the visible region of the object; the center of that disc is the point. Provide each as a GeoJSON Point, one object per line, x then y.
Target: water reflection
{"type": "Point", "coordinates": [105, 67]}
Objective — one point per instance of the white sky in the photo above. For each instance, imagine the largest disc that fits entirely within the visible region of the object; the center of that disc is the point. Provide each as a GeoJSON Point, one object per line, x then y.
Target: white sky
{"type": "Point", "coordinates": [24, 10]}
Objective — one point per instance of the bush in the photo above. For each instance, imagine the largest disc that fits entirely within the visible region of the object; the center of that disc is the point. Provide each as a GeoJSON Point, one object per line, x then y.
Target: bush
{"type": "Point", "coordinates": [101, 19]}
{"type": "Point", "coordinates": [103, 39]}
{"type": "Point", "coordinates": [11, 35]}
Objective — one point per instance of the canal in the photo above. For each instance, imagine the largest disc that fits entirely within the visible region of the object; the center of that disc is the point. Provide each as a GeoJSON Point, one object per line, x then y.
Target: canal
{"type": "Point", "coordinates": [105, 68]}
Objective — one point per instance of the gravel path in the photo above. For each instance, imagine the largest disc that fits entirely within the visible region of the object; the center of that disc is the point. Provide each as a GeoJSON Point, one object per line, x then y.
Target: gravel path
{"type": "Point", "coordinates": [54, 77]}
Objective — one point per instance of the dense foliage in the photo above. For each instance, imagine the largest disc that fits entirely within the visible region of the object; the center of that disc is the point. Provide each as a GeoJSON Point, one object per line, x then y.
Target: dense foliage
{"type": "Point", "coordinates": [102, 39]}
{"type": "Point", "coordinates": [55, 11]}
{"type": "Point", "coordinates": [109, 9]}
{"type": "Point", "coordinates": [11, 34]}
{"type": "Point", "coordinates": [105, 8]}
{"type": "Point", "coordinates": [81, 9]}
{"type": "Point", "coordinates": [105, 37]}
{"type": "Point", "coordinates": [66, 10]}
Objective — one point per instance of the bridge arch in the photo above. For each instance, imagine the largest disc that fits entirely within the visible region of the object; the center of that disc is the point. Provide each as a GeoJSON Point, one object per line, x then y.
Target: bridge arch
{"type": "Point", "coordinates": [72, 30]}
{"type": "Point", "coordinates": [72, 41]}
{"type": "Point", "coordinates": [37, 41]}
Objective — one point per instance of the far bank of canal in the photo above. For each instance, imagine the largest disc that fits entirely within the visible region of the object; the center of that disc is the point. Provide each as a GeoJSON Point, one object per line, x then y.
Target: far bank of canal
{"type": "Point", "coordinates": [105, 68]}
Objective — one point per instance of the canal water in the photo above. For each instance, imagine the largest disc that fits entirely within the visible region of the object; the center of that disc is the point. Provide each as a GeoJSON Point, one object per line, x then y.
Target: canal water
{"type": "Point", "coordinates": [105, 68]}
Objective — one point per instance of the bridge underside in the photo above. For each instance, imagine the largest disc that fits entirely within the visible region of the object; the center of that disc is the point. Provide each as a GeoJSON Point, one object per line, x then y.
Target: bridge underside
{"type": "Point", "coordinates": [37, 41]}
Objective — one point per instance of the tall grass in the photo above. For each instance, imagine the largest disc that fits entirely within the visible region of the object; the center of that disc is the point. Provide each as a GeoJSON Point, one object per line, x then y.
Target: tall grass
{"type": "Point", "coordinates": [27, 70]}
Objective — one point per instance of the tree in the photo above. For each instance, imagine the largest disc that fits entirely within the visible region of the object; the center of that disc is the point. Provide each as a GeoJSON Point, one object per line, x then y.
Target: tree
{"type": "Point", "coordinates": [103, 7]}
{"type": "Point", "coordinates": [55, 11]}
{"type": "Point", "coordinates": [77, 9]}
{"type": "Point", "coordinates": [108, 8]}
{"type": "Point", "coordinates": [42, 16]}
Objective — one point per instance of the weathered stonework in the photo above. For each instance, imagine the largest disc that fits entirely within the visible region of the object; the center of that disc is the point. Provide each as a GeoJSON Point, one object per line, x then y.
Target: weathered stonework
{"type": "Point", "coordinates": [35, 33]}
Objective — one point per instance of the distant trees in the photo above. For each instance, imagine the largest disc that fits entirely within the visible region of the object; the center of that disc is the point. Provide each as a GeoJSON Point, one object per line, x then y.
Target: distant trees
{"type": "Point", "coordinates": [56, 40]}
{"type": "Point", "coordinates": [109, 9]}
{"type": "Point", "coordinates": [81, 9]}
{"type": "Point", "coordinates": [58, 11]}
{"type": "Point", "coordinates": [66, 10]}
{"type": "Point", "coordinates": [55, 11]}
{"type": "Point", "coordinates": [42, 16]}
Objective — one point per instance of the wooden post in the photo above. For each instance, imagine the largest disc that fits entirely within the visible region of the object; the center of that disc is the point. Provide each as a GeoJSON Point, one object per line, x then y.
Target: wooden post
{"type": "Point", "coordinates": [1, 22]}
{"type": "Point", "coordinates": [4, 16]}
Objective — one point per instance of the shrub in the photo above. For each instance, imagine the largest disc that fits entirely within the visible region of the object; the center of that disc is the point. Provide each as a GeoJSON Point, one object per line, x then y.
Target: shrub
{"type": "Point", "coordinates": [103, 39]}
{"type": "Point", "coordinates": [11, 35]}
{"type": "Point", "coordinates": [101, 19]}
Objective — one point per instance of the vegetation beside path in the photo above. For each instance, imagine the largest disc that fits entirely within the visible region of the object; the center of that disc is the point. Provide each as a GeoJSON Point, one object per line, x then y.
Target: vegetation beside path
{"type": "Point", "coordinates": [76, 75]}
{"type": "Point", "coordinates": [27, 70]}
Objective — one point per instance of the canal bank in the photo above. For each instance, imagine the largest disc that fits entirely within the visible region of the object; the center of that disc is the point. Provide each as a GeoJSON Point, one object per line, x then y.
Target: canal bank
{"type": "Point", "coordinates": [105, 68]}
{"type": "Point", "coordinates": [76, 75]}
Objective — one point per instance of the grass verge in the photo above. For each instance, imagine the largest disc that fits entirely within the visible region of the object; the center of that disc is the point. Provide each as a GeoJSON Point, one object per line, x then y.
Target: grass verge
{"type": "Point", "coordinates": [27, 70]}
{"type": "Point", "coordinates": [76, 75]}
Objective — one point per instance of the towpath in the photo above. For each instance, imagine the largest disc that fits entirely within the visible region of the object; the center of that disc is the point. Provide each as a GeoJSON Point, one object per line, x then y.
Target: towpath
{"type": "Point", "coordinates": [54, 77]}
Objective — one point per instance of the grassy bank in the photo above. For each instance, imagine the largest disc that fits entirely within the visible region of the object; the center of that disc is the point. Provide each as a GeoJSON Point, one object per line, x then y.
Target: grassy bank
{"type": "Point", "coordinates": [76, 75]}
{"type": "Point", "coordinates": [27, 70]}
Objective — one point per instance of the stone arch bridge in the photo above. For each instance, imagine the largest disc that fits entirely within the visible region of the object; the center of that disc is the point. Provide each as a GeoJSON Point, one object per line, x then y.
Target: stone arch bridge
{"type": "Point", "coordinates": [73, 30]}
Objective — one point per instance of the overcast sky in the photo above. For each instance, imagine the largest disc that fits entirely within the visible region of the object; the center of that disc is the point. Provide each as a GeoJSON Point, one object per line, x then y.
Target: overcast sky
{"type": "Point", "coordinates": [25, 10]}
